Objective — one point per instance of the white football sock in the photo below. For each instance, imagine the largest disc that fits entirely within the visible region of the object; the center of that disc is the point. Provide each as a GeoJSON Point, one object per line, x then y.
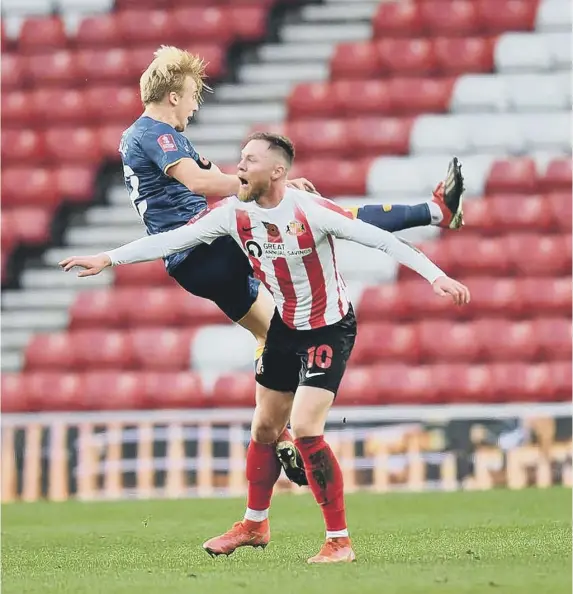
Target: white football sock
{"type": "Point", "coordinates": [336, 533]}
{"type": "Point", "coordinates": [255, 515]}
{"type": "Point", "coordinates": [435, 213]}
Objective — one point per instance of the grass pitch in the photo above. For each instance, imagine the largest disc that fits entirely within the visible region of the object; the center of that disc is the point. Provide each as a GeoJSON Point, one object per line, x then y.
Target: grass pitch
{"type": "Point", "coordinates": [497, 541]}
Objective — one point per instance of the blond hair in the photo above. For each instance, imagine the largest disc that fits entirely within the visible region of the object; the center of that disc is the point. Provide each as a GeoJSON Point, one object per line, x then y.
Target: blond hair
{"type": "Point", "coordinates": [168, 72]}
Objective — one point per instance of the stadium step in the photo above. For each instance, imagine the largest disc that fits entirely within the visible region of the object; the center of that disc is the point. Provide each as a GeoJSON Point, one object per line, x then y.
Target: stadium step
{"type": "Point", "coordinates": [36, 320]}
{"type": "Point", "coordinates": [331, 12]}
{"type": "Point", "coordinates": [36, 299]}
{"type": "Point", "coordinates": [258, 92]}
{"type": "Point", "coordinates": [242, 113]}
{"type": "Point", "coordinates": [295, 52]}
{"type": "Point", "coordinates": [52, 278]}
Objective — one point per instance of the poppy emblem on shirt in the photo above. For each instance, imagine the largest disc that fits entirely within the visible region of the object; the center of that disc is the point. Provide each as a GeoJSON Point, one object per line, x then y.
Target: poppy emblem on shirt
{"type": "Point", "coordinates": [296, 228]}
{"type": "Point", "coordinates": [272, 229]}
{"type": "Point", "coordinates": [167, 143]}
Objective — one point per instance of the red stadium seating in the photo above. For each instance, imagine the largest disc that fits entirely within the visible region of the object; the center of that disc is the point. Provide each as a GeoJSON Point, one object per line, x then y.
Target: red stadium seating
{"type": "Point", "coordinates": [512, 175]}
{"type": "Point", "coordinates": [58, 68]}
{"type": "Point", "coordinates": [14, 72]}
{"type": "Point", "coordinates": [21, 146]}
{"type": "Point", "coordinates": [29, 186]}
{"type": "Point", "coordinates": [407, 57]}
{"type": "Point", "coordinates": [68, 97]}
{"type": "Point", "coordinates": [557, 176]}
{"type": "Point", "coordinates": [73, 145]}
{"type": "Point", "coordinates": [42, 34]}
{"type": "Point", "coordinates": [450, 18]}
{"type": "Point", "coordinates": [465, 55]}
{"type": "Point", "coordinates": [394, 19]}
{"type": "Point", "coordinates": [518, 15]}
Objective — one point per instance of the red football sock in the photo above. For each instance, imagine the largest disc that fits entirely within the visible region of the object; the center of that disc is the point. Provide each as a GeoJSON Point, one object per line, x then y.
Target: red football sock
{"type": "Point", "coordinates": [285, 436]}
{"type": "Point", "coordinates": [263, 470]}
{"type": "Point", "coordinates": [324, 479]}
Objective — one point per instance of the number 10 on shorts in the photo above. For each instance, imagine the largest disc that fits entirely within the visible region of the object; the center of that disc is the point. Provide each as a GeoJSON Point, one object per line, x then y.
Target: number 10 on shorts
{"type": "Point", "coordinates": [320, 356]}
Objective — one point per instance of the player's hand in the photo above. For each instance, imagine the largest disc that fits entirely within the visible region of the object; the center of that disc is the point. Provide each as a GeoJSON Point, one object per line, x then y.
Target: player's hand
{"type": "Point", "coordinates": [302, 183]}
{"type": "Point", "coordinates": [91, 264]}
{"type": "Point", "coordinates": [444, 286]}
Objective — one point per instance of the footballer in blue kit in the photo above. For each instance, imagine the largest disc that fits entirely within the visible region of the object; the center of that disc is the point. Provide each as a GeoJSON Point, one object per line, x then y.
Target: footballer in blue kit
{"type": "Point", "coordinates": [168, 181]}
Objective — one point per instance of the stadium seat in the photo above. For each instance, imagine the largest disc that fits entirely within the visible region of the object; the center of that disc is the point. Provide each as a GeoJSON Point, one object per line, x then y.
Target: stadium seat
{"type": "Point", "coordinates": [14, 394]}
{"type": "Point", "coordinates": [87, 349]}
{"type": "Point", "coordinates": [336, 177]}
{"type": "Point", "coordinates": [560, 387]}
{"type": "Point", "coordinates": [16, 109]}
{"type": "Point", "coordinates": [105, 65]}
{"type": "Point", "coordinates": [560, 203]}
{"type": "Point", "coordinates": [14, 72]}
{"type": "Point", "coordinates": [108, 140]}
{"type": "Point", "coordinates": [205, 25]}
{"type": "Point", "coordinates": [249, 22]}
{"type": "Point", "coordinates": [554, 338]}
{"type": "Point", "coordinates": [459, 18]}
{"type": "Point", "coordinates": [110, 104]}
{"type": "Point", "coordinates": [507, 176]}
{"type": "Point", "coordinates": [178, 390]}
{"type": "Point", "coordinates": [53, 390]}
{"type": "Point", "coordinates": [59, 106]}
{"type": "Point", "coordinates": [143, 274]}
{"type": "Point", "coordinates": [161, 349]}
{"type": "Point", "coordinates": [407, 57]}
{"type": "Point", "coordinates": [98, 31]}
{"type": "Point", "coordinates": [75, 182]}
{"type": "Point", "coordinates": [145, 26]}
{"type": "Point", "coordinates": [236, 390]}
{"type": "Point", "coordinates": [39, 33]}
{"type": "Point", "coordinates": [112, 390]}
{"type": "Point", "coordinates": [22, 146]}
{"type": "Point", "coordinates": [555, 297]}
{"type": "Point", "coordinates": [358, 98]}
{"type": "Point", "coordinates": [325, 137]}
{"type": "Point", "coordinates": [455, 56]}
{"type": "Point", "coordinates": [72, 145]}
{"type": "Point", "coordinates": [557, 176]}
{"type": "Point", "coordinates": [413, 96]}
{"type": "Point", "coordinates": [59, 68]}
{"type": "Point", "coordinates": [317, 99]}
{"type": "Point", "coordinates": [369, 137]}
{"type": "Point", "coordinates": [442, 340]}
{"type": "Point", "coordinates": [518, 213]}
{"type": "Point", "coordinates": [27, 225]}
{"type": "Point", "coordinates": [96, 309]}
{"type": "Point", "coordinates": [357, 61]}
{"type": "Point", "coordinates": [538, 255]}
{"type": "Point", "coordinates": [29, 186]}
{"type": "Point", "coordinates": [383, 341]}
{"type": "Point", "coordinates": [506, 340]}
{"type": "Point", "coordinates": [397, 19]}
{"type": "Point", "coordinates": [517, 15]}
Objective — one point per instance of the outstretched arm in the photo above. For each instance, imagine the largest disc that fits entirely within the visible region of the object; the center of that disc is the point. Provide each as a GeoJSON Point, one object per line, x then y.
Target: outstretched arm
{"type": "Point", "coordinates": [203, 229]}
{"type": "Point", "coordinates": [338, 222]}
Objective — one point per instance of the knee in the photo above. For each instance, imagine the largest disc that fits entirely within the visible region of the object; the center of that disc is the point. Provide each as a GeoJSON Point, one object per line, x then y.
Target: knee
{"type": "Point", "coordinates": [300, 429]}
{"type": "Point", "coordinates": [265, 431]}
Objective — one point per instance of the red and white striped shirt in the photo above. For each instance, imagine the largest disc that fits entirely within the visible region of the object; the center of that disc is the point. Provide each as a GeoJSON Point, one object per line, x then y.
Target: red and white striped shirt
{"type": "Point", "coordinates": [291, 250]}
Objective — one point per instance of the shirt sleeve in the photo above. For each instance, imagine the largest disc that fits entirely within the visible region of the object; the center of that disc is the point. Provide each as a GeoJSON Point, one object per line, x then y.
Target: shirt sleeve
{"type": "Point", "coordinates": [166, 147]}
{"type": "Point", "coordinates": [204, 228]}
{"type": "Point", "coordinates": [334, 220]}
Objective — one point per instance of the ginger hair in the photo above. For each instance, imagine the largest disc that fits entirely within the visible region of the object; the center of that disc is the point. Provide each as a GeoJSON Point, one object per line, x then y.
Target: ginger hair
{"type": "Point", "coordinates": [168, 72]}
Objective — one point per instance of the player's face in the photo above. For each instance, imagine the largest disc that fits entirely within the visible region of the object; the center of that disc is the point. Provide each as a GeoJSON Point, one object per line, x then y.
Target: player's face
{"type": "Point", "coordinates": [186, 104]}
{"type": "Point", "coordinates": [255, 170]}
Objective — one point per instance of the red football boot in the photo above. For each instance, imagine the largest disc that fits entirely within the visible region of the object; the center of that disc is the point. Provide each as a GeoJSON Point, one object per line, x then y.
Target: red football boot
{"type": "Point", "coordinates": [449, 196]}
{"type": "Point", "coordinates": [242, 534]}
{"type": "Point", "coordinates": [335, 550]}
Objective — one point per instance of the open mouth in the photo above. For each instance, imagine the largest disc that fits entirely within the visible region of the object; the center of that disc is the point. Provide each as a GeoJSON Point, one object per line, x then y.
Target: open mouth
{"type": "Point", "coordinates": [244, 182]}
